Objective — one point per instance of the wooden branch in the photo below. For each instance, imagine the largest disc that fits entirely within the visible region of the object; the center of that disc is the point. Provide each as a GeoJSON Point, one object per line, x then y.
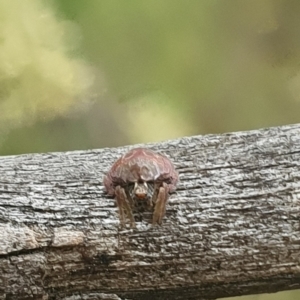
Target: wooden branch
{"type": "Point", "coordinates": [232, 227]}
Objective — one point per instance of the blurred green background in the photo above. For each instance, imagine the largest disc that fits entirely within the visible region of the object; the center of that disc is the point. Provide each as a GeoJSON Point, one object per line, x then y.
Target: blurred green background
{"type": "Point", "coordinates": [89, 74]}
{"type": "Point", "coordinates": [80, 74]}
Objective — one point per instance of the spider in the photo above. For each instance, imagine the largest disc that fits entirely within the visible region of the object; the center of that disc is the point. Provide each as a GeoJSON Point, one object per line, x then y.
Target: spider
{"type": "Point", "coordinates": [141, 175]}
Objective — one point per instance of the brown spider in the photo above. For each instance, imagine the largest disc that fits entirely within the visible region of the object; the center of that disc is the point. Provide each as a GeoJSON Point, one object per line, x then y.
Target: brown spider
{"type": "Point", "coordinates": [141, 175]}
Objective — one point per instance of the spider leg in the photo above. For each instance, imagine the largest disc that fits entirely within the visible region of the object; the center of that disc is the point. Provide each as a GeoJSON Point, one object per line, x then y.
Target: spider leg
{"type": "Point", "coordinates": [124, 207]}
{"type": "Point", "coordinates": [160, 204]}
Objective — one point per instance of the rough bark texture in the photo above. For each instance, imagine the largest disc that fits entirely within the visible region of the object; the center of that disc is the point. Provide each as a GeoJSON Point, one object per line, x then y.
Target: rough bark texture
{"type": "Point", "coordinates": [231, 228]}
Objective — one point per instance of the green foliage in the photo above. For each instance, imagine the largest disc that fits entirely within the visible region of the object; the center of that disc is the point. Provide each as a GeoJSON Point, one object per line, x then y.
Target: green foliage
{"type": "Point", "coordinates": [39, 79]}
{"type": "Point", "coordinates": [288, 295]}
{"type": "Point", "coordinates": [161, 69]}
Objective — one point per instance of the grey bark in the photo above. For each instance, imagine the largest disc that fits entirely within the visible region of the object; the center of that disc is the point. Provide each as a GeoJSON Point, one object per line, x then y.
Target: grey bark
{"type": "Point", "coordinates": [231, 228]}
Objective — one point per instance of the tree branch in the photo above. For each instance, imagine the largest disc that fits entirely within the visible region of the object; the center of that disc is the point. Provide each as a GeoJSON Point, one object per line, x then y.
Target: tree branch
{"type": "Point", "coordinates": [231, 228]}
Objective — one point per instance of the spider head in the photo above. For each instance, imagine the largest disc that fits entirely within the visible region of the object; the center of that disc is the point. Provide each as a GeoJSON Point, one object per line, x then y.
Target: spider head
{"type": "Point", "coordinates": [140, 190]}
